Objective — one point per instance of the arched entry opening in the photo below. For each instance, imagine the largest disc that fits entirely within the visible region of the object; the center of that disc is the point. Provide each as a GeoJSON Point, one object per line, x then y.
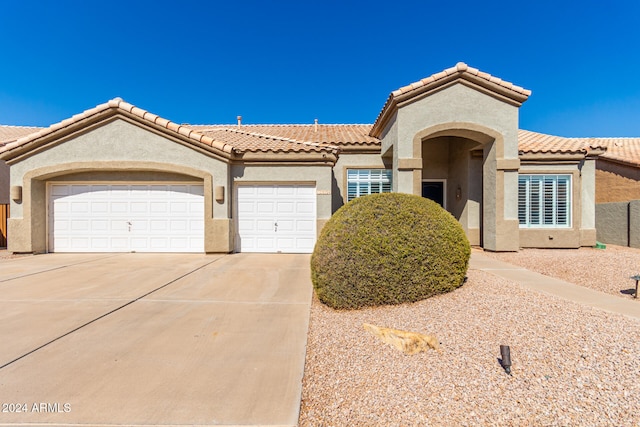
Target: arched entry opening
{"type": "Point", "coordinates": [460, 171]}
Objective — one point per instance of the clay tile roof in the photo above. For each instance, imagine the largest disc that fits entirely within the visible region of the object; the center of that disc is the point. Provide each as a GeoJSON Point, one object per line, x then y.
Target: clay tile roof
{"type": "Point", "coordinates": [244, 140]}
{"type": "Point", "coordinates": [621, 150]}
{"type": "Point", "coordinates": [293, 137]}
{"type": "Point", "coordinates": [534, 142]}
{"type": "Point", "coordinates": [121, 106]}
{"type": "Point", "coordinates": [460, 71]}
{"type": "Point", "coordinates": [11, 133]}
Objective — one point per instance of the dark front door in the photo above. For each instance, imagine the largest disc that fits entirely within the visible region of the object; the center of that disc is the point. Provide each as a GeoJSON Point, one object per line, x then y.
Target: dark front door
{"type": "Point", "coordinates": [434, 190]}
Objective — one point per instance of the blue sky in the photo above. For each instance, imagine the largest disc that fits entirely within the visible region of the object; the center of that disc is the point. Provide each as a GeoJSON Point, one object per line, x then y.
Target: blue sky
{"type": "Point", "coordinates": [293, 61]}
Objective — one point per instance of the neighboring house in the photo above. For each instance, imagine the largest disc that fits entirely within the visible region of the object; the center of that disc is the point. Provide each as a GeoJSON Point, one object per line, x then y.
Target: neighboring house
{"type": "Point", "coordinates": [118, 178]}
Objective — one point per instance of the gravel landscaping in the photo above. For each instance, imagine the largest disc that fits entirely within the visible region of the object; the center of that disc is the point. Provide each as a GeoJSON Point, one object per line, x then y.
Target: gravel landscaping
{"type": "Point", "coordinates": [605, 270]}
{"type": "Point", "coordinates": [572, 365]}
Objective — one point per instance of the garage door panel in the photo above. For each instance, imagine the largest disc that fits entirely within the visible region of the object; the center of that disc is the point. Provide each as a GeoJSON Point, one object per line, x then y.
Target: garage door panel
{"type": "Point", "coordinates": [305, 207]}
{"type": "Point", "coordinates": [285, 207]}
{"type": "Point", "coordinates": [79, 242]}
{"type": "Point", "coordinates": [285, 226]}
{"type": "Point", "coordinates": [178, 208]}
{"type": "Point", "coordinates": [159, 207]}
{"type": "Point", "coordinates": [159, 225]}
{"type": "Point", "coordinates": [79, 207]}
{"type": "Point", "coordinates": [291, 206]}
{"type": "Point", "coordinates": [80, 226]}
{"type": "Point", "coordinates": [99, 207]}
{"type": "Point", "coordinates": [99, 225]}
{"type": "Point", "coordinates": [177, 226]}
{"type": "Point", "coordinates": [118, 207]}
{"type": "Point", "coordinates": [100, 243]}
{"type": "Point", "coordinates": [306, 243]}
{"type": "Point", "coordinates": [139, 207]}
{"type": "Point", "coordinates": [119, 243]}
{"type": "Point", "coordinates": [117, 218]}
{"type": "Point", "coordinates": [285, 190]}
{"type": "Point", "coordinates": [266, 244]}
{"type": "Point", "coordinates": [305, 226]}
{"type": "Point", "coordinates": [264, 190]}
{"type": "Point", "coordinates": [265, 207]}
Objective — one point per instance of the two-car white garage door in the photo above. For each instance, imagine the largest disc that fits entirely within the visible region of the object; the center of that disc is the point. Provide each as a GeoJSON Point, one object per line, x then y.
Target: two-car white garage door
{"type": "Point", "coordinates": [123, 218]}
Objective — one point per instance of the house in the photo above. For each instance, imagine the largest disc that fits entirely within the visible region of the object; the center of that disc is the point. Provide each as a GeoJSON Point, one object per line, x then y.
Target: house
{"type": "Point", "coordinates": [119, 178]}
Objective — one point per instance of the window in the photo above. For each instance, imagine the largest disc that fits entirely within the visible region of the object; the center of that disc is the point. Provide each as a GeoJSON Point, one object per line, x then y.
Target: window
{"type": "Point", "coordinates": [544, 201]}
{"type": "Point", "coordinates": [361, 182]}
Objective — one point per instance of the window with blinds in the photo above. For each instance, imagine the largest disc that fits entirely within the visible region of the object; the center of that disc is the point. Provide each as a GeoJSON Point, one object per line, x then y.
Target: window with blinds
{"type": "Point", "coordinates": [361, 182]}
{"type": "Point", "coordinates": [544, 201]}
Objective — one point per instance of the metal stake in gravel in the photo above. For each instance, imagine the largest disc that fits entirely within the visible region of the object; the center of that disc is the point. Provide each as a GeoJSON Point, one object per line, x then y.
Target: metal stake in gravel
{"type": "Point", "coordinates": [636, 278]}
{"type": "Point", "coordinates": [505, 354]}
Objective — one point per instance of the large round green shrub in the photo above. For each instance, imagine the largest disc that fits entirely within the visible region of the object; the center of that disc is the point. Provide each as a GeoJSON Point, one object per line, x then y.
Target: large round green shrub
{"type": "Point", "coordinates": [388, 249]}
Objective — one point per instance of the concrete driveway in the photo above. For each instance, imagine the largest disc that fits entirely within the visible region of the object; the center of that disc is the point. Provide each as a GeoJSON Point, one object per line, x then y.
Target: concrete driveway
{"type": "Point", "coordinates": [153, 339]}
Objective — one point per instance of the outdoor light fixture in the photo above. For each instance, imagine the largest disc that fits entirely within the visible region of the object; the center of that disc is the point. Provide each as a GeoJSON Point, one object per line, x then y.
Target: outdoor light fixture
{"type": "Point", "coordinates": [505, 354]}
{"type": "Point", "coordinates": [16, 193]}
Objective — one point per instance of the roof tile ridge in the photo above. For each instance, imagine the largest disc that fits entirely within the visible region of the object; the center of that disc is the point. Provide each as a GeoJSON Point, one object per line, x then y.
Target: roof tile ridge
{"type": "Point", "coordinates": [119, 104]}
{"type": "Point", "coordinates": [544, 134]}
{"type": "Point", "coordinates": [182, 129]}
{"type": "Point", "coordinates": [280, 138]}
{"type": "Point", "coordinates": [259, 134]}
{"type": "Point", "coordinates": [21, 126]}
{"type": "Point", "coordinates": [56, 126]}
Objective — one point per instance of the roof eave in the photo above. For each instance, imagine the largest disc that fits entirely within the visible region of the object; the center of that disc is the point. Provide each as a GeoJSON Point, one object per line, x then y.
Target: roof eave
{"type": "Point", "coordinates": [325, 158]}
{"type": "Point", "coordinates": [552, 155]}
{"type": "Point", "coordinates": [104, 112]}
{"type": "Point", "coordinates": [473, 78]}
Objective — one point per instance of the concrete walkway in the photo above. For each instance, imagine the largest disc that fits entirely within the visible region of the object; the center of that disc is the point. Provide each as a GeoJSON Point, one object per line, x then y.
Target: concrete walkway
{"type": "Point", "coordinates": [557, 287]}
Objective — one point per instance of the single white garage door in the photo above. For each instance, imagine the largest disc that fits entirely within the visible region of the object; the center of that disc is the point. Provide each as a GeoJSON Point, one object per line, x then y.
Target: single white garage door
{"type": "Point", "coordinates": [276, 218]}
{"type": "Point", "coordinates": [124, 218]}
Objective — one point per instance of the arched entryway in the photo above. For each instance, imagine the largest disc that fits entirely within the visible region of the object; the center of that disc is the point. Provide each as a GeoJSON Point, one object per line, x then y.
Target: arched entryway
{"type": "Point", "coordinates": [465, 162]}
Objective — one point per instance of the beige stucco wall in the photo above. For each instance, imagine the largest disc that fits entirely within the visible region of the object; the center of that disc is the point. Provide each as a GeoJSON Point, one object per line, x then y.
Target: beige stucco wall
{"type": "Point", "coordinates": [582, 231]}
{"type": "Point", "coordinates": [462, 111]}
{"type": "Point", "coordinates": [352, 161]}
{"type": "Point", "coordinates": [121, 146]}
{"type": "Point", "coordinates": [4, 183]}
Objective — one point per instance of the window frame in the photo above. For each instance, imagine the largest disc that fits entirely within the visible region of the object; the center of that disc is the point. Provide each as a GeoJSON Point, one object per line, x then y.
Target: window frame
{"type": "Point", "coordinates": [385, 182]}
{"type": "Point", "coordinates": [543, 205]}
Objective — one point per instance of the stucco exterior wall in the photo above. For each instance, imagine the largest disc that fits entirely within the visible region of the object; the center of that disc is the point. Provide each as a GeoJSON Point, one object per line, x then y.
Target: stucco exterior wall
{"type": "Point", "coordinates": [462, 111]}
{"type": "Point", "coordinates": [616, 182]}
{"type": "Point", "coordinates": [583, 227]}
{"type": "Point", "coordinates": [612, 223]}
{"type": "Point", "coordinates": [352, 161]}
{"type": "Point", "coordinates": [618, 223]}
{"type": "Point", "coordinates": [117, 145]}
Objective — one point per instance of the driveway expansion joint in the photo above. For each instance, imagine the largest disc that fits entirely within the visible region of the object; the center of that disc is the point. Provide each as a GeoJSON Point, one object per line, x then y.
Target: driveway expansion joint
{"type": "Point", "coordinates": [128, 303]}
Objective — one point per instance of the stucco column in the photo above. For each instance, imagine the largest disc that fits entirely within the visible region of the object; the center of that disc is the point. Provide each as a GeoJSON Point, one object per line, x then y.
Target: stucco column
{"type": "Point", "coordinates": [500, 200]}
{"type": "Point", "coordinates": [588, 203]}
